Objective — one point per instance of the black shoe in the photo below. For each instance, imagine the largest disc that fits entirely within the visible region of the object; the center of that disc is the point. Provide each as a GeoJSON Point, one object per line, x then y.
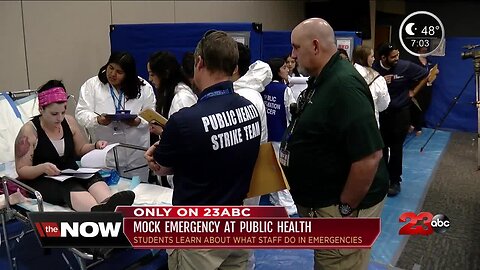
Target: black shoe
{"type": "Point", "coordinates": [394, 189]}
{"type": "Point", "coordinates": [120, 198]}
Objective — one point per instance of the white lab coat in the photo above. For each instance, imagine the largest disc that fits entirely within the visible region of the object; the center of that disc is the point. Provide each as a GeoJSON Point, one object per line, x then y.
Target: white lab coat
{"type": "Point", "coordinates": [379, 89]}
{"type": "Point", "coordinates": [251, 85]}
{"type": "Point", "coordinates": [184, 97]}
{"type": "Point", "coordinates": [95, 98]}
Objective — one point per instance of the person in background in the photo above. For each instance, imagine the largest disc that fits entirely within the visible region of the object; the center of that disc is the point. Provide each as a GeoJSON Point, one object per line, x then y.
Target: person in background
{"type": "Point", "coordinates": [331, 152]}
{"type": "Point", "coordinates": [277, 98]}
{"type": "Point", "coordinates": [249, 81]}
{"type": "Point", "coordinates": [174, 91]}
{"type": "Point", "coordinates": [209, 168]}
{"type": "Point", "coordinates": [173, 87]}
{"type": "Point", "coordinates": [343, 54]}
{"type": "Point", "coordinates": [117, 88]}
{"type": "Point", "coordinates": [401, 76]}
{"type": "Point", "coordinates": [50, 143]}
{"type": "Point", "coordinates": [292, 66]}
{"type": "Point", "coordinates": [362, 59]}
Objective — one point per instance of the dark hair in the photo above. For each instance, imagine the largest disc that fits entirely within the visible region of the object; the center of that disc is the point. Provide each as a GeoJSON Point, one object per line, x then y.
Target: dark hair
{"type": "Point", "coordinates": [188, 63]}
{"type": "Point", "coordinates": [131, 83]}
{"type": "Point", "coordinates": [385, 49]}
{"type": "Point", "coordinates": [360, 55]}
{"type": "Point", "coordinates": [244, 57]}
{"type": "Point", "coordinates": [51, 84]}
{"type": "Point", "coordinates": [275, 65]}
{"type": "Point", "coordinates": [343, 52]}
{"type": "Point", "coordinates": [295, 70]}
{"type": "Point", "coordinates": [218, 51]}
{"type": "Point", "coordinates": [168, 70]}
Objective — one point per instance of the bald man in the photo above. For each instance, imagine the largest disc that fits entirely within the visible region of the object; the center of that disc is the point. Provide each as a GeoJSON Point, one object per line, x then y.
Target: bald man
{"type": "Point", "coordinates": [332, 151]}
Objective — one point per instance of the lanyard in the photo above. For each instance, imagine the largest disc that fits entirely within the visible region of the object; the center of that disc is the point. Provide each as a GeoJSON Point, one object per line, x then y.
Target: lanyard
{"type": "Point", "coordinates": [216, 93]}
{"type": "Point", "coordinates": [304, 99]}
{"type": "Point", "coordinates": [118, 100]}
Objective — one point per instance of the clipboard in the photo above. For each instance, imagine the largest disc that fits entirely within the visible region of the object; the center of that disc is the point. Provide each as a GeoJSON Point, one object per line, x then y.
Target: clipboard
{"type": "Point", "coordinates": [122, 115]}
{"type": "Point", "coordinates": [268, 176]}
{"type": "Point", "coordinates": [150, 115]}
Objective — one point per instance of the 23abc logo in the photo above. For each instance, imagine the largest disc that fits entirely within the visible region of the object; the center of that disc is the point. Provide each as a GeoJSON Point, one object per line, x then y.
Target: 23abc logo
{"type": "Point", "coordinates": [423, 224]}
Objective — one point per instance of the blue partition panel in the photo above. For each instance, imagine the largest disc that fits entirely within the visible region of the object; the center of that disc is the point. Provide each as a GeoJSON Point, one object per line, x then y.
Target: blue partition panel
{"type": "Point", "coordinates": [278, 44]}
{"type": "Point", "coordinates": [454, 75]}
{"type": "Point", "coordinates": [141, 40]}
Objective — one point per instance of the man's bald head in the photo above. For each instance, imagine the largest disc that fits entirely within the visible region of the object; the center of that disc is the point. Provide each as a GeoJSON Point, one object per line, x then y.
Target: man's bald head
{"type": "Point", "coordinates": [317, 28]}
{"type": "Point", "coordinates": [313, 42]}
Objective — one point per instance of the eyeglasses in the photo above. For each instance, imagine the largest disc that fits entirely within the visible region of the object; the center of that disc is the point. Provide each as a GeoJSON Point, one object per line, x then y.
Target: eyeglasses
{"type": "Point", "coordinates": [202, 43]}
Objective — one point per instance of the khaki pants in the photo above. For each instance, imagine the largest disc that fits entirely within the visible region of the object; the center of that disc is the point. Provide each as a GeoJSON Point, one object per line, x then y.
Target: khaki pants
{"type": "Point", "coordinates": [339, 259]}
{"type": "Point", "coordinates": [208, 259]}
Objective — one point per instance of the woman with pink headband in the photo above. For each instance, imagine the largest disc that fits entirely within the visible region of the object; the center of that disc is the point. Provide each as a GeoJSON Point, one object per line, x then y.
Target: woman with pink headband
{"type": "Point", "coordinates": [53, 141]}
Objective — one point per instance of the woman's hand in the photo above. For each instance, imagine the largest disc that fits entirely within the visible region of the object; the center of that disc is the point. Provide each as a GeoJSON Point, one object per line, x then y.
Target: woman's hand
{"type": "Point", "coordinates": [155, 128]}
{"type": "Point", "coordinates": [133, 122]}
{"type": "Point", "coordinates": [104, 120]}
{"type": "Point", "coordinates": [50, 169]}
{"type": "Point", "coordinates": [101, 144]}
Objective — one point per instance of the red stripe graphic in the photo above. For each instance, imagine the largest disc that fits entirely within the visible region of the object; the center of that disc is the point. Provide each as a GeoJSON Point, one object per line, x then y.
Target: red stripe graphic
{"type": "Point", "coordinates": [39, 229]}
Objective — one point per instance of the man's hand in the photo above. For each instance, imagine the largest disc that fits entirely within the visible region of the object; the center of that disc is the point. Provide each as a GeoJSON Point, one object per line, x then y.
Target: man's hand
{"type": "Point", "coordinates": [155, 128]}
{"type": "Point", "coordinates": [388, 78]}
{"type": "Point", "coordinates": [150, 160]}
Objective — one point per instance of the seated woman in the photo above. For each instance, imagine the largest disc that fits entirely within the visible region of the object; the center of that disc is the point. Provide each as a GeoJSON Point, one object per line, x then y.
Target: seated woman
{"type": "Point", "coordinates": [51, 142]}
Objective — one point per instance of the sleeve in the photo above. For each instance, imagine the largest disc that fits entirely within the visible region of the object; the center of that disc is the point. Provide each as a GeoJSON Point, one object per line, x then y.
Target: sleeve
{"type": "Point", "coordinates": [263, 123]}
{"type": "Point", "coordinates": [149, 100]}
{"type": "Point", "coordinates": [168, 151]}
{"type": "Point", "coordinates": [383, 97]}
{"type": "Point", "coordinates": [355, 121]}
{"type": "Point", "coordinates": [289, 99]}
{"type": "Point", "coordinates": [180, 101]}
{"type": "Point", "coordinates": [85, 110]}
{"type": "Point", "coordinates": [417, 72]}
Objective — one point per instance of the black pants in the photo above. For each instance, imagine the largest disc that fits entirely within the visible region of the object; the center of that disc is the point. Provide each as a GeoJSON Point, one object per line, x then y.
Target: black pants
{"type": "Point", "coordinates": [418, 116]}
{"type": "Point", "coordinates": [394, 124]}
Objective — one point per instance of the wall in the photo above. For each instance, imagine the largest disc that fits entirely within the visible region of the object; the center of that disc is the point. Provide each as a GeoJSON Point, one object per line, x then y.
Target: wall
{"type": "Point", "coordinates": [69, 40]}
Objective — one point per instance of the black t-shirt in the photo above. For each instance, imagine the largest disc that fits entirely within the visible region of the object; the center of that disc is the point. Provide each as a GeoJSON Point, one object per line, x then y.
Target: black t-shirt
{"type": "Point", "coordinates": [405, 76]}
{"type": "Point", "coordinates": [212, 148]}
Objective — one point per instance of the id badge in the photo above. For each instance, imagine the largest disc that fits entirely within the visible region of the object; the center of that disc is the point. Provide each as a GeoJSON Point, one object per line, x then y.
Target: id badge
{"type": "Point", "coordinates": [284, 157]}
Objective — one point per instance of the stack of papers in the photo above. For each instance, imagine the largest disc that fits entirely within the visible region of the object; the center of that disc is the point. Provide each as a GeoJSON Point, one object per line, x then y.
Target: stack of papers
{"type": "Point", "coordinates": [82, 173]}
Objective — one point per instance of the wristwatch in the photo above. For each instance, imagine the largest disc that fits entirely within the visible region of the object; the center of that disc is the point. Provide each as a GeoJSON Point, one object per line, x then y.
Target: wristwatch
{"type": "Point", "coordinates": [345, 209]}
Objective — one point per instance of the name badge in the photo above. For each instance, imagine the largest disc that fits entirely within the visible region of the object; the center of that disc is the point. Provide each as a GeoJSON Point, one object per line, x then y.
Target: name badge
{"type": "Point", "coordinates": [284, 157]}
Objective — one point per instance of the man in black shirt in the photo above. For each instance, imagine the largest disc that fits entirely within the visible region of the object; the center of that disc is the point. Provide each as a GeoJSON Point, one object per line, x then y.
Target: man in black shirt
{"type": "Point", "coordinates": [211, 147]}
{"type": "Point", "coordinates": [401, 77]}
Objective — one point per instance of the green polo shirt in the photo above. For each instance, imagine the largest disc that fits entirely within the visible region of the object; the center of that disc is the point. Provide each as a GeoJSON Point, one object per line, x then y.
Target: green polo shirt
{"type": "Point", "coordinates": [335, 129]}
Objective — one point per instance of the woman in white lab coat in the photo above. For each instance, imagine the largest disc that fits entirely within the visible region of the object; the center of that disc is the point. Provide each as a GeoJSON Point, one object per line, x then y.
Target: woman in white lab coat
{"type": "Point", "coordinates": [362, 59]}
{"type": "Point", "coordinates": [172, 86]}
{"type": "Point", "coordinates": [117, 87]}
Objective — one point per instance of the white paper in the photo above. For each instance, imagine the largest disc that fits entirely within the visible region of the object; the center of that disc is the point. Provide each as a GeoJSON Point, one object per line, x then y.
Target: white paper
{"type": "Point", "coordinates": [80, 171]}
{"type": "Point", "coordinates": [64, 177]}
{"type": "Point", "coordinates": [60, 178]}
{"type": "Point", "coordinates": [97, 158]}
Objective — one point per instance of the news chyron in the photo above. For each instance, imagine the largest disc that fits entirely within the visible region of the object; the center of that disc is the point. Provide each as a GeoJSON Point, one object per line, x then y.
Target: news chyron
{"type": "Point", "coordinates": [77, 229]}
{"type": "Point", "coordinates": [158, 227]}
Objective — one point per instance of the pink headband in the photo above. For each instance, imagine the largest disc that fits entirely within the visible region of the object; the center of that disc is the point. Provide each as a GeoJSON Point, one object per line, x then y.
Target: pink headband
{"type": "Point", "coordinates": [53, 95]}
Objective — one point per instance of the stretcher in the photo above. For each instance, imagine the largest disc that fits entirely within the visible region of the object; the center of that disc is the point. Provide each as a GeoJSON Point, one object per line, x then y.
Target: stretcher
{"type": "Point", "coordinates": [17, 206]}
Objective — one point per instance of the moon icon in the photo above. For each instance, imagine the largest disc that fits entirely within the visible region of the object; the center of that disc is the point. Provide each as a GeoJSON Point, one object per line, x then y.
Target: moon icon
{"type": "Point", "coordinates": [408, 29]}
